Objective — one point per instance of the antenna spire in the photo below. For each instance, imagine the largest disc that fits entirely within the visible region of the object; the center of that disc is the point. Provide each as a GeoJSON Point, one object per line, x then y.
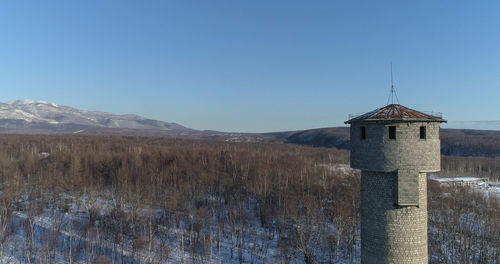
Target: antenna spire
{"type": "Point", "coordinates": [393, 91]}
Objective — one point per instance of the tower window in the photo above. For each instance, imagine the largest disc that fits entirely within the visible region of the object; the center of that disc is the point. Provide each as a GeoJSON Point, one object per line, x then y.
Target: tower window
{"type": "Point", "coordinates": [363, 132]}
{"type": "Point", "coordinates": [423, 132]}
{"type": "Point", "coordinates": [392, 132]}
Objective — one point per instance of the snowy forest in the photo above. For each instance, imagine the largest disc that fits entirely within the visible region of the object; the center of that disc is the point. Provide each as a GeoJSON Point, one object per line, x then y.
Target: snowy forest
{"type": "Point", "coordinates": [120, 199]}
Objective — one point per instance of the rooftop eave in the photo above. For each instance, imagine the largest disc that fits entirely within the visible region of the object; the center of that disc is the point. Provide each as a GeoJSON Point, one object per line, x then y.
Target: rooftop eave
{"type": "Point", "coordinates": [394, 120]}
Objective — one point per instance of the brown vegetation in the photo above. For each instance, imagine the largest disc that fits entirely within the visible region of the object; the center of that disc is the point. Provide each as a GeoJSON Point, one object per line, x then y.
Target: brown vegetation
{"type": "Point", "coordinates": [483, 167]}
{"type": "Point", "coordinates": [463, 225]}
{"type": "Point", "coordinates": [194, 196]}
{"type": "Point", "coordinates": [208, 190]}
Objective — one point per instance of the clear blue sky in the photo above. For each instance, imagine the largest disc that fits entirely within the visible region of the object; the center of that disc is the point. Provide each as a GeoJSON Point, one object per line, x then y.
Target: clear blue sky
{"type": "Point", "coordinates": [253, 66]}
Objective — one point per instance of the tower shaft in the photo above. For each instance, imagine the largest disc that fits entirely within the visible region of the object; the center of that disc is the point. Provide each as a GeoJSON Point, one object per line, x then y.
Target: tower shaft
{"type": "Point", "coordinates": [392, 233]}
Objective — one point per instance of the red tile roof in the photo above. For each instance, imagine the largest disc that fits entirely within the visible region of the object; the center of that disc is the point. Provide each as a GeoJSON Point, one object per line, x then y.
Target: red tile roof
{"type": "Point", "coordinates": [395, 112]}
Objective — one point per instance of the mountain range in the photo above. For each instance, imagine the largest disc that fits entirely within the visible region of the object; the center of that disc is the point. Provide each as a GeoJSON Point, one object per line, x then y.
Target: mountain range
{"type": "Point", "coordinates": [40, 117]}
{"type": "Point", "coordinates": [27, 116]}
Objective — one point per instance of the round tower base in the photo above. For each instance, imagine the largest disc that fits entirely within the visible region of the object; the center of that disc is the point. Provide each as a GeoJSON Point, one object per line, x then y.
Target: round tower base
{"type": "Point", "coordinates": [391, 233]}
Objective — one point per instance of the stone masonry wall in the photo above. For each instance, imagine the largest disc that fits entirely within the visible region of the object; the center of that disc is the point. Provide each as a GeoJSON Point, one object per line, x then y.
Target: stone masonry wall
{"type": "Point", "coordinates": [379, 153]}
{"type": "Point", "coordinates": [392, 233]}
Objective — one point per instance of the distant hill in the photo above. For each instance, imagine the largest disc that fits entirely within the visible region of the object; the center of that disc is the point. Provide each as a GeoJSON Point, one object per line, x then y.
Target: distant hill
{"type": "Point", "coordinates": [454, 142]}
{"type": "Point", "coordinates": [336, 137]}
{"type": "Point", "coordinates": [467, 142]}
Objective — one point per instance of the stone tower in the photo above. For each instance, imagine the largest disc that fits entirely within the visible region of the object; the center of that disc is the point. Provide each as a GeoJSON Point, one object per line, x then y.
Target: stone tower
{"type": "Point", "coordinates": [394, 147]}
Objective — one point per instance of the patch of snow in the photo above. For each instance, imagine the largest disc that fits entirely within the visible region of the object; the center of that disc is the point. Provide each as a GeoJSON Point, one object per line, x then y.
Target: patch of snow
{"type": "Point", "coordinates": [47, 103]}
{"type": "Point", "coordinates": [481, 184]}
{"type": "Point", "coordinates": [24, 101]}
{"type": "Point", "coordinates": [342, 168]}
{"type": "Point", "coordinates": [43, 154]}
{"type": "Point", "coordinates": [9, 260]}
{"type": "Point", "coordinates": [458, 179]}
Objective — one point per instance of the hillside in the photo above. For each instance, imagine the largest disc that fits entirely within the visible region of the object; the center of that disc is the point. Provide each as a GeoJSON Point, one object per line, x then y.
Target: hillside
{"type": "Point", "coordinates": [454, 142]}
{"type": "Point", "coordinates": [331, 137]}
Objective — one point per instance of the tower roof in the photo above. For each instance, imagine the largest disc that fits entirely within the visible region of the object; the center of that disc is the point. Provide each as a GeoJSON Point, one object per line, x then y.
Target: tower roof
{"type": "Point", "coordinates": [396, 112]}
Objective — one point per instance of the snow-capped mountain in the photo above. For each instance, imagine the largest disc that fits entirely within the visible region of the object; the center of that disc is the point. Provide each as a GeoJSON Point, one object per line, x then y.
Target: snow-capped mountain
{"type": "Point", "coordinates": [41, 116]}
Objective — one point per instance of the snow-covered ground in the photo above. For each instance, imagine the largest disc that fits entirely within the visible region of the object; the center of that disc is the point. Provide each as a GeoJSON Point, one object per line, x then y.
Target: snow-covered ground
{"type": "Point", "coordinates": [55, 229]}
{"type": "Point", "coordinates": [482, 184]}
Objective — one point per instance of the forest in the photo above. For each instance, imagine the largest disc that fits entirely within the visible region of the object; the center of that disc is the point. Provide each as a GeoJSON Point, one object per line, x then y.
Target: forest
{"type": "Point", "coordinates": [128, 199]}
